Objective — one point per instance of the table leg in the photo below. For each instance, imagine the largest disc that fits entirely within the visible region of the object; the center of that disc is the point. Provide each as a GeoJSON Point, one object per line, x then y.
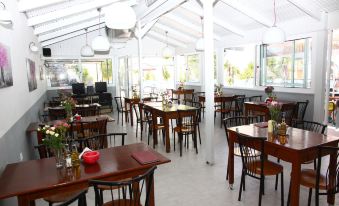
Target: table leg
{"type": "Point", "coordinates": [22, 201]}
{"type": "Point", "coordinates": [332, 171]}
{"type": "Point", "coordinates": [295, 183]}
{"type": "Point", "coordinates": [131, 112]}
{"type": "Point", "coordinates": [231, 160]}
{"type": "Point", "coordinates": [167, 136]}
{"type": "Point", "coordinates": [151, 197]}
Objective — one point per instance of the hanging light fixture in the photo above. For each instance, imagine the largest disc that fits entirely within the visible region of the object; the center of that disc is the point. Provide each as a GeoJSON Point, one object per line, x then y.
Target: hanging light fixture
{"type": "Point", "coordinates": [120, 16]}
{"type": "Point", "coordinates": [100, 43]}
{"type": "Point", "coordinates": [274, 34]}
{"type": "Point", "coordinates": [33, 47]}
{"type": "Point", "coordinates": [5, 15]}
{"type": "Point", "coordinates": [199, 45]}
{"type": "Point", "coordinates": [86, 51]}
{"type": "Point", "coordinates": [167, 52]}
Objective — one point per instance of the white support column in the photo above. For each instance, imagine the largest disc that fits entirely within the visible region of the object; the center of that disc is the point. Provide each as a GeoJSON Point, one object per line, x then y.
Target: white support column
{"type": "Point", "coordinates": [209, 79]}
{"type": "Point", "coordinates": [220, 65]}
{"type": "Point", "coordinates": [319, 71]}
{"type": "Point", "coordinates": [139, 61]}
{"type": "Point", "coordinates": [328, 72]}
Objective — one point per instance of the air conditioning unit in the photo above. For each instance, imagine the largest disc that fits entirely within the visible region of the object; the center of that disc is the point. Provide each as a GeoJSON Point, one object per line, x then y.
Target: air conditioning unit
{"type": "Point", "coordinates": [150, 2]}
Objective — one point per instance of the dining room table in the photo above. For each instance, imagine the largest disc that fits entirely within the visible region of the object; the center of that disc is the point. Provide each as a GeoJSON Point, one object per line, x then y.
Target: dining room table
{"type": "Point", "coordinates": [297, 147]}
{"type": "Point", "coordinates": [166, 112]}
{"type": "Point", "coordinates": [34, 179]}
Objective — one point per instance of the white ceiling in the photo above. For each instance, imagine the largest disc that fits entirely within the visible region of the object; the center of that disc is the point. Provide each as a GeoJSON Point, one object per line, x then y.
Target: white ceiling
{"type": "Point", "coordinates": [57, 20]}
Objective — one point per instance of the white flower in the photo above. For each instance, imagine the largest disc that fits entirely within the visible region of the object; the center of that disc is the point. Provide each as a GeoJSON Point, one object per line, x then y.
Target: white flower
{"type": "Point", "coordinates": [47, 131]}
{"type": "Point", "coordinates": [56, 135]}
{"type": "Point", "coordinates": [39, 129]}
{"type": "Point", "coordinates": [53, 128]}
{"type": "Point", "coordinates": [47, 126]}
{"type": "Point", "coordinates": [52, 133]}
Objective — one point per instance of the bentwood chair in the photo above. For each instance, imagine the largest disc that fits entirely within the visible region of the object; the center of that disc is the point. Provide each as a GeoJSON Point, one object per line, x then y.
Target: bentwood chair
{"type": "Point", "coordinates": [61, 197]}
{"type": "Point", "coordinates": [233, 122]}
{"type": "Point", "coordinates": [81, 130]}
{"type": "Point", "coordinates": [257, 166]}
{"type": "Point", "coordinates": [132, 192]}
{"type": "Point", "coordinates": [224, 107]}
{"type": "Point", "coordinates": [301, 110]}
{"type": "Point", "coordinates": [239, 101]}
{"type": "Point", "coordinates": [121, 109]}
{"type": "Point", "coordinates": [323, 183]}
{"type": "Point", "coordinates": [186, 125]}
{"type": "Point", "coordinates": [91, 110]}
{"type": "Point", "coordinates": [153, 125]}
{"type": "Point", "coordinates": [197, 99]}
{"type": "Point", "coordinates": [137, 108]}
{"type": "Point", "coordinates": [257, 98]}
{"type": "Point", "coordinates": [198, 106]}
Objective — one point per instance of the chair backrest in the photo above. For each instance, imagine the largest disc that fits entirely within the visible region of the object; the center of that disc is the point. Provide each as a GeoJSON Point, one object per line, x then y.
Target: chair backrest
{"type": "Point", "coordinates": [54, 103]}
{"type": "Point", "coordinates": [255, 98]}
{"type": "Point", "coordinates": [239, 101]}
{"type": "Point", "coordinates": [226, 102]}
{"type": "Point", "coordinates": [301, 110]}
{"type": "Point", "coordinates": [289, 111]}
{"type": "Point", "coordinates": [56, 114]}
{"type": "Point", "coordinates": [136, 109]}
{"type": "Point", "coordinates": [196, 96]}
{"type": "Point", "coordinates": [44, 152]}
{"type": "Point", "coordinates": [188, 95]}
{"type": "Point", "coordinates": [249, 147]}
{"type": "Point", "coordinates": [310, 126]}
{"type": "Point", "coordinates": [91, 110]}
{"type": "Point", "coordinates": [198, 105]}
{"type": "Point", "coordinates": [81, 198]}
{"type": "Point", "coordinates": [187, 118]}
{"type": "Point", "coordinates": [134, 192]}
{"type": "Point", "coordinates": [233, 122]}
{"type": "Point", "coordinates": [89, 129]}
{"type": "Point", "coordinates": [118, 102]}
{"type": "Point", "coordinates": [331, 179]}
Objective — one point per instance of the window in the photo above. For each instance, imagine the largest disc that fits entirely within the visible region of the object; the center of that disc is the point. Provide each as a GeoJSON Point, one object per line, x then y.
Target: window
{"type": "Point", "coordinates": [189, 68]}
{"type": "Point", "coordinates": [286, 64]}
{"type": "Point", "coordinates": [239, 66]}
{"type": "Point", "coordinates": [334, 77]}
{"type": "Point", "coordinates": [66, 72]}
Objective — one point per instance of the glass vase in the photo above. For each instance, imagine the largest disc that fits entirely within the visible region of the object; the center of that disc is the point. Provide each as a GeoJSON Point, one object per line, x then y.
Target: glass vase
{"type": "Point", "coordinates": [59, 157]}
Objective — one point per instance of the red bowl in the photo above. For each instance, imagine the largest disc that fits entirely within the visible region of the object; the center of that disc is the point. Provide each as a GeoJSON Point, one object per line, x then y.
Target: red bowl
{"type": "Point", "coordinates": [91, 157]}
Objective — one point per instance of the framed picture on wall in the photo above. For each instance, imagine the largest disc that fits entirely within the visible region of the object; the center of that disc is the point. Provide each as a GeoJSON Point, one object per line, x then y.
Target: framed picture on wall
{"type": "Point", "coordinates": [6, 78]}
{"type": "Point", "coordinates": [41, 70]}
{"type": "Point", "coordinates": [31, 75]}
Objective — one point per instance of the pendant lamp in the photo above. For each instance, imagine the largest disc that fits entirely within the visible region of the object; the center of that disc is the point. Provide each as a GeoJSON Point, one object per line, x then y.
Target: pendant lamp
{"type": "Point", "coordinates": [120, 16]}
{"type": "Point", "coordinates": [167, 52]}
{"type": "Point", "coordinates": [274, 34]}
{"type": "Point", "coordinates": [100, 43]}
{"type": "Point", "coordinates": [5, 15]}
{"type": "Point", "coordinates": [86, 51]}
{"type": "Point", "coordinates": [199, 45]}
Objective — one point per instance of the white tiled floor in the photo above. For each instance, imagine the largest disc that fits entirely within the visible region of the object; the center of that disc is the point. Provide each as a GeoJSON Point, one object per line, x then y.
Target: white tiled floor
{"type": "Point", "coordinates": [189, 181]}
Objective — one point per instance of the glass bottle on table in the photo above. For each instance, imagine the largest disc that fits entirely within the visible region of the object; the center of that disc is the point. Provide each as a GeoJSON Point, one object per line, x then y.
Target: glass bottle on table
{"type": "Point", "coordinates": [283, 125]}
{"type": "Point", "coordinates": [75, 156]}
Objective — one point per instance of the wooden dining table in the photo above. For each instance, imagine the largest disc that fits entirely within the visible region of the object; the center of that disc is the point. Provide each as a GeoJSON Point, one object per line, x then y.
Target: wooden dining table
{"type": "Point", "coordinates": [166, 113]}
{"type": "Point", "coordinates": [36, 179]}
{"type": "Point", "coordinates": [301, 146]}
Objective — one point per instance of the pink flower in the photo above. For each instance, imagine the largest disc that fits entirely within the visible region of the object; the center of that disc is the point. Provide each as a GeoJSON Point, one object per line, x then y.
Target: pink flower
{"type": "Point", "coordinates": [3, 56]}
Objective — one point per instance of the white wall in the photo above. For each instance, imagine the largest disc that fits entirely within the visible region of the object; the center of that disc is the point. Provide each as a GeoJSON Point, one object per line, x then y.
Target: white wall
{"type": "Point", "coordinates": [16, 100]}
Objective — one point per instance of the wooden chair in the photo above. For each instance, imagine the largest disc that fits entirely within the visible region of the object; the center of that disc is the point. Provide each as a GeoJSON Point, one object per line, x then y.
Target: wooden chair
{"type": "Point", "coordinates": [256, 166]}
{"type": "Point", "coordinates": [239, 101]}
{"type": "Point", "coordinates": [323, 183]}
{"type": "Point", "coordinates": [257, 98]}
{"type": "Point", "coordinates": [91, 110]}
{"type": "Point", "coordinates": [186, 125]}
{"type": "Point", "coordinates": [309, 126]}
{"type": "Point", "coordinates": [81, 198]}
{"type": "Point", "coordinates": [224, 107]}
{"type": "Point", "coordinates": [82, 130]}
{"type": "Point", "coordinates": [137, 108]}
{"type": "Point", "coordinates": [198, 106]}
{"type": "Point", "coordinates": [233, 122]}
{"type": "Point", "coordinates": [289, 111]}
{"type": "Point", "coordinates": [133, 192]}
{"type": "Point", "coordinates": [57, 113]}
{"type": "Point", "coordinates": [188, 96]}
{"type": "Point", "coordinates": [300, 110]}
{"type": "Point", "coordinates": [60, 197]}
{"type": "Point", "coordinates": [196, 99]}
{"type": "Point", "coordinates": [153, 125]}
{"type": "Point", "coordinates": [121, 110]}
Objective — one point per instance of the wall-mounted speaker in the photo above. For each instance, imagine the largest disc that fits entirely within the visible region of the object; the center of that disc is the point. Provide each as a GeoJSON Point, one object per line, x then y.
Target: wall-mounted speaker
{"type": "Point", "coordinates": [46, 52]}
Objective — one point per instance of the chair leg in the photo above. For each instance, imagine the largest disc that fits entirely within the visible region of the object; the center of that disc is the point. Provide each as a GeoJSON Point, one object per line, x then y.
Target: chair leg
{"type": "Point", "coordinates": [309, 197]}
{"type": "Point", "coordinates": [261, 190]}
{"type": "Point", "coordinates": [276, 182]}
{"type": "Point", "coordinates": [174, 140]}
{"type": "Point", "coordinates": [199, 134]}
{"type": "Point", "coordinates": [227, 171]}
{"type": "Point", "coordinates": [241, 185]}
{"type": "Point", "coordinates": [180, 142]}
{"type": "Point", "coordinates": [136, 131]}
{"type": "Point", "coordinates": [289, 195]}
{"type": "Point", "coordinates": [282, 188]}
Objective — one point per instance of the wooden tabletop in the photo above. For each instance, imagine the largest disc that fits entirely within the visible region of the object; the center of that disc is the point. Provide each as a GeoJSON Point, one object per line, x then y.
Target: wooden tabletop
{"type": "Point", "coordinates": [77, 106]}
{"type": "Point", "coordinates": [33, 126]}
{"type": "Point", "coordinates": [300, 139]}
{"type": "Point", "coordinates": [173, 108]}
{"type": "Point", "coordinates": [37, 176]}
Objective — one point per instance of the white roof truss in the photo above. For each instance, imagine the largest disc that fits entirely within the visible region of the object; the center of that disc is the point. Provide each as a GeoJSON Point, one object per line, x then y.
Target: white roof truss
{"type": "Point", "coordinates": [67, 22]}
{"type": "Point", "coordinates": [188, 24]}
{"type": "Point", "coordinates": [180, 34]}
{"type": "Point", "coordinates": [248, 12]}
{"type": "Point", "coordinates": [312, 12]}
{"type": "Point", "coordinates": [58, 14]}
{"type": "Point", "coordinates": [222, 23]}
{"type": "Point", "coordinates": [69, 36]}
{"type": "Point", "coordinates": [146, 28]}
{"type": "Point", "coordinates": [165, 39]}
{"type": "Point", "coordinates": [153, 7]}
{"type": "Point", "coordinates": [68, 30]}
{"type": "Point", "coordinates": [27, 5]}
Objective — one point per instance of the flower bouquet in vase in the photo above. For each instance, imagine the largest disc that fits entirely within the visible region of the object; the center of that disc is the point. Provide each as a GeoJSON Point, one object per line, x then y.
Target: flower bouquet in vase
{"type": "Point", "coordinates": [69, 104]}
{"type": "Point", "coordinates": [275, 112]}
{"type": "Point", "coordinates": [218, 89]}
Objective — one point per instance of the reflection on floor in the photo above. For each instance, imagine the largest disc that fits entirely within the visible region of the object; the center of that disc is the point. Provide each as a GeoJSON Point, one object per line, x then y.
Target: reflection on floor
{"type": "Point", "coordinates": [189, 181]}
